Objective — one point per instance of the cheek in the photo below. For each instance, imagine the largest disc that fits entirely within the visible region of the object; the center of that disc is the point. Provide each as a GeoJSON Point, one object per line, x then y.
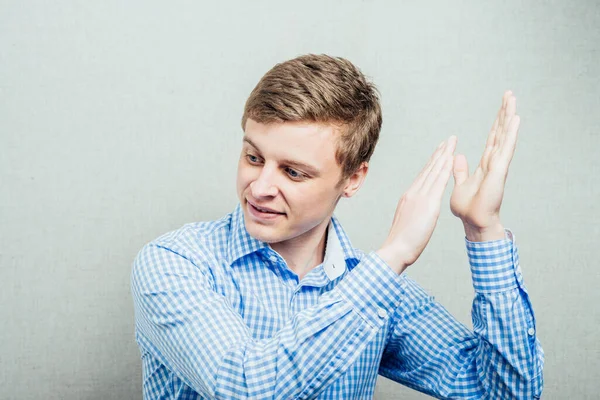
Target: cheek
{"type": "Point", "coordinates": [312, 201]}
{"type": "Point", "coordinates": [244, 177]}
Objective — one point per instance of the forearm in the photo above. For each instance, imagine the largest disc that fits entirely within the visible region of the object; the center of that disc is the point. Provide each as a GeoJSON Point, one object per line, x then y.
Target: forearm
{"type": "Point", "coordinates": [222, 360]}
{"type": "Point", "coordinates": [298, 361]}
{"type": "Point", "coordinates": [207, 344]}
{"type": "Point", "coordinates": [511, 358]}
{"type": "Point", "coordinates": [233, 365]}
{"type": "Point", "coordinates": [430, 351]}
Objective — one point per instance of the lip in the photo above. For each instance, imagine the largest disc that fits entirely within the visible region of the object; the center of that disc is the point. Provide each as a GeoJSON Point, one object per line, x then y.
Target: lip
{"type": "Point", "coordinates": [254, 211]}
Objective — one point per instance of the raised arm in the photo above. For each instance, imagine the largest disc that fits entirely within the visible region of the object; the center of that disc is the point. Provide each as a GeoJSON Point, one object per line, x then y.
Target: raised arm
{"type": "Point", "coordinates": [194, 331]}
{"type": "Point", "coordinates": [429, 350]}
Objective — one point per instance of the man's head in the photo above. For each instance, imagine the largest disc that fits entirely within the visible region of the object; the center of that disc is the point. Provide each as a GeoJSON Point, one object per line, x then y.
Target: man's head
{"type": "Point", "coordinates": [321, 89]}
{"type": "Point", "coordinates": [311, 125]}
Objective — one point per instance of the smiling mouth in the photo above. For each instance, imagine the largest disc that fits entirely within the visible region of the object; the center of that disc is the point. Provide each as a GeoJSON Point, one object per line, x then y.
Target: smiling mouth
{"type": "Point", "coordinates": [264, 210]}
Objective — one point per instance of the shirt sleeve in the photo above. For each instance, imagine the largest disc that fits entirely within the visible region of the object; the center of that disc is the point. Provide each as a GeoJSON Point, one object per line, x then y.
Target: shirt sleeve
{"type": "Point", "coordinates": [193, 330]}
{"type": "Point", "coordinates": [430, 351]}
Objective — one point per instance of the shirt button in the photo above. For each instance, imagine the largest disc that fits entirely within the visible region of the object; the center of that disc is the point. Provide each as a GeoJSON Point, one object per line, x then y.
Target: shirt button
{"type": "Point", "coordinates": [381, 312]}
{"type": "Point", "coordinates": [531, 331]}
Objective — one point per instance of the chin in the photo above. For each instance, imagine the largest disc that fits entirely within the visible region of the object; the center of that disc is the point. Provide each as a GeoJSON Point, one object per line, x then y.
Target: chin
{"type": "Point", "coordinates": [264, 233]}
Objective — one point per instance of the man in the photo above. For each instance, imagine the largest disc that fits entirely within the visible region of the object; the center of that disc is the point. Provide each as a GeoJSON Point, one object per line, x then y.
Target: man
{"type": "Point", "coordinates": [272, 301]}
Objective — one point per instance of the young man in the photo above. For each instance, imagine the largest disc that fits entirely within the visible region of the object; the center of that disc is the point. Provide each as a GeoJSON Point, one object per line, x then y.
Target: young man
{"type": "Point", "coordinates": [272, 301]}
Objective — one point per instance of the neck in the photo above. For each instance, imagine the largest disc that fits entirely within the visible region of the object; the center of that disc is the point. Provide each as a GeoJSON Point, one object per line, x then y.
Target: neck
{"type": "Point", "coordinates": [305, 252]}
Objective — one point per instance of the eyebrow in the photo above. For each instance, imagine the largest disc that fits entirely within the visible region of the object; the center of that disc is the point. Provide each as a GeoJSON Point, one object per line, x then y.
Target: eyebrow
{"type": "Point", "coordinates": [309, 169]}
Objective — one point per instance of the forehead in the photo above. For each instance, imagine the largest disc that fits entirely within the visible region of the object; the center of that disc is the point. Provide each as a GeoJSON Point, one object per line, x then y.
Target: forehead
{"type": "Point", "coordinates": [305, 142]}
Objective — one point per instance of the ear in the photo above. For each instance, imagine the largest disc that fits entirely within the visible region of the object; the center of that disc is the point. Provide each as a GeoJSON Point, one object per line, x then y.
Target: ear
{"type": "Point", "coordinates": [355, 181]}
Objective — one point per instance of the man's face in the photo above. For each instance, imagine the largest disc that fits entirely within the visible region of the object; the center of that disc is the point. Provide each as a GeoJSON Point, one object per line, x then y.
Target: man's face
{"type": "Point", "coordinates": [288, 179]}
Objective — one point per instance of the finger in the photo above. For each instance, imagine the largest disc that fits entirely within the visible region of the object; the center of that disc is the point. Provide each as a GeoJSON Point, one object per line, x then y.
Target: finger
{"type": "Point", "coordinates": [491, 141]}
{"type": "Point", "coordinates": [495, 135]}
{"type": "Point", "coordinates": [511, 108]}
{"type": "Point", "coordinates": [507, 94]}
{"type": "Point", "coordinates": [508, 149]}
{"type": "Point", "coordinates": [503, 111]}
{"type": "Point", "coordinates": [492, 135]}
{"type": "Point", "coordinates": [460, 169]}
{"type": "Point", "coordinates": [485, 158]}
{"type": "Point", "coordinates": [418, 182]}
{"type": "Point", "coordinates": [477, 177]}
{"type": "Point", "coordinates": [440, 164]}
{"type": "Point", "coordinates": [441, 180]}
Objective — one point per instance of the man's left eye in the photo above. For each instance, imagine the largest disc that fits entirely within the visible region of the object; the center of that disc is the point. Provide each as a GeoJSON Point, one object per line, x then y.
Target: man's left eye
{"type": "Point", "coordinates": [294, 174]}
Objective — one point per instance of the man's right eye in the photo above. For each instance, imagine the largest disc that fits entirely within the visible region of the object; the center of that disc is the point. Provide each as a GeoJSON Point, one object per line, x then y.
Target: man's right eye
{"type": "Point", "coordinates": [253, 159]}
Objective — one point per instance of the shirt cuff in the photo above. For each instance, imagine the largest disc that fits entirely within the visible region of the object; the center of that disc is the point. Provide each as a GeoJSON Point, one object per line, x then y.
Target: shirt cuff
{"type": "Point", "coordinates": [373, 289]}
{"type": "Point", "coordinates": [493, 264]}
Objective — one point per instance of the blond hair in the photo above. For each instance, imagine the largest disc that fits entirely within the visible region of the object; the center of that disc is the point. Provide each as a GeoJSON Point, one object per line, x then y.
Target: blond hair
{"type": "Point", "coordinates": [322, 89]}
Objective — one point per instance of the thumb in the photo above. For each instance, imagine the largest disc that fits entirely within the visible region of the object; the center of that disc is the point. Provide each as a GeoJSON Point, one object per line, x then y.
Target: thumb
{"type": "Point", "coordinates": [460, 169]}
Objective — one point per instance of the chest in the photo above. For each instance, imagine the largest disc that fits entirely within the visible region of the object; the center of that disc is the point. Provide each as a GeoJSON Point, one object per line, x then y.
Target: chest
{"type": "Point", "coordinates": [268, 309]}
{"type": "Point", "coordinates": [267, 302]}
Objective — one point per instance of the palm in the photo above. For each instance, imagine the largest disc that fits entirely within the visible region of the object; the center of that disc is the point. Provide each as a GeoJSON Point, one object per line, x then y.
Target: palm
{"type": "Point", "coordinates": [476, 199]}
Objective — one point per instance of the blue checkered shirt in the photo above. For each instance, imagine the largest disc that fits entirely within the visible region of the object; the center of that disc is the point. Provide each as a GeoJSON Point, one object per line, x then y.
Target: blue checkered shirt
{"type": "Point", "coordinates": [218, 314]}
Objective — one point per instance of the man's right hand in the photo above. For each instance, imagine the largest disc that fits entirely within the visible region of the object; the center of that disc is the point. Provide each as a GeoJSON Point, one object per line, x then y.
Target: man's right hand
{"type": "Point", "coordinates": [418, 210]}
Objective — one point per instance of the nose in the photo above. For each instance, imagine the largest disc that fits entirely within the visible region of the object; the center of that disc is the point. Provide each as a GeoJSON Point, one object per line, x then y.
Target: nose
{"type": "Point", "coordinates": [264, 185]}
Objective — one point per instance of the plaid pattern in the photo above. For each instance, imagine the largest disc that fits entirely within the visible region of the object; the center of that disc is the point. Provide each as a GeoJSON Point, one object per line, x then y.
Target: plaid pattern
{"type": "Point", "coordinates": [219, 315]}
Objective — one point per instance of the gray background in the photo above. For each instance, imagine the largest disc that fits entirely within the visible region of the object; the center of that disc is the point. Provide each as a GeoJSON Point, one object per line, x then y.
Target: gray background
{"type": "Point", "coordinates": [119, 121]}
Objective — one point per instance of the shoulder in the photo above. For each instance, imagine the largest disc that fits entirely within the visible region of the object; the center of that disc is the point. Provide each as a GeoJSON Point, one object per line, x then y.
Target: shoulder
{"type": "Point", "coordinates": [194, 246]}
{"type": "Point", "coordinates": [197, 237]}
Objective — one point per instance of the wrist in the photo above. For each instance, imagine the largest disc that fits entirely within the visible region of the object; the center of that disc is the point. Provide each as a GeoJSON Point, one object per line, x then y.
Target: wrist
{"type": "Point", "coordinates": [393, 260]}
{"type": "Point", "coordinates": [484, 234]}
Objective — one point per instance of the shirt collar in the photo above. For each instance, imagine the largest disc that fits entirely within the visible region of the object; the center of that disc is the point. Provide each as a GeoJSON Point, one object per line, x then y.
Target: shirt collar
{"type": "Point", "coordinates": [338, 248]}
{"type": "Point", "coordinates": [334, 263]}
{"type": "Point", "coordinates": [240, 241]}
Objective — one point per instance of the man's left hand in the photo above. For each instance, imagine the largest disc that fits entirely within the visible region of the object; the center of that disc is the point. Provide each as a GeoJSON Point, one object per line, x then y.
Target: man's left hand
{"type": "Point", "coordinates": [476, 199]}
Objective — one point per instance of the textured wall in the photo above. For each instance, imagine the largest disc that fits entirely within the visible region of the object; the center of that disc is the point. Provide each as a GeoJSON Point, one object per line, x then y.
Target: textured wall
{"type": "Point", "coordinates": [119, 121]}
